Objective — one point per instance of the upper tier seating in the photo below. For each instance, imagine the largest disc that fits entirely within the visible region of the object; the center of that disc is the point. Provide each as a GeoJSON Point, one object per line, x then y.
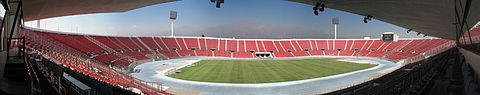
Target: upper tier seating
{"type": "Point", "coordinates": [122, 51]}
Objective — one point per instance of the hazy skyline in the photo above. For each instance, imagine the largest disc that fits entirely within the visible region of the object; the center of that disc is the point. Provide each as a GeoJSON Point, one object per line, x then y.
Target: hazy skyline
{"type": "Point", "coordinates": [235, 18]}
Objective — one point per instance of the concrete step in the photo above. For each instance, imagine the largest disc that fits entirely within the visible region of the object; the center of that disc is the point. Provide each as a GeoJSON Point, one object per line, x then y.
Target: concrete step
{"type": "Point", "coordinates": [15, 69]}
{"type": "Point", "coordinates": [13, 87]}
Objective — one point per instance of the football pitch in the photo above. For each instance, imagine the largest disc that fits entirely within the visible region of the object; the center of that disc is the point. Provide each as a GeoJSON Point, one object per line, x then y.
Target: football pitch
{"type": "Point", "coordinates": [265, 71]}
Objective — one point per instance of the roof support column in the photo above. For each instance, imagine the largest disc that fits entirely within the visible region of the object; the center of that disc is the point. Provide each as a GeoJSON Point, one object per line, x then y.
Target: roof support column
{"type": "Point", "coordinates": [11, 23]}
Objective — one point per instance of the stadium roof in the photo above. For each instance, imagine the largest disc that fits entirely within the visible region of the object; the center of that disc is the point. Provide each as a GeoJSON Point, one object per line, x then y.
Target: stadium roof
{"type": "Point", "coordinates": [40, 9]}
{"type": "Point", "coordinates": [432, 17]}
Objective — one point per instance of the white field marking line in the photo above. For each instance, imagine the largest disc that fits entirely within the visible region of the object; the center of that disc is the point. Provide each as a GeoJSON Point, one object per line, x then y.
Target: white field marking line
{"type": "Point", "coordinates": [301, 81]}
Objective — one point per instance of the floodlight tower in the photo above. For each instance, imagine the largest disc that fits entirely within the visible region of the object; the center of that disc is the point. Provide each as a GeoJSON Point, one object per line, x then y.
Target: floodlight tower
{"type": "Point", "coordinates": [173, 17]}
{"type": "Point", "coordinates": [335, 22]}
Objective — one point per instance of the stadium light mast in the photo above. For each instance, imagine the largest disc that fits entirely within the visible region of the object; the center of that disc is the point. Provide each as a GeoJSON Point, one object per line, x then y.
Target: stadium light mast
{"type": "Point", "coordinates": [335, 22]}
{"type": "Point", "coordinates": [173, 17]}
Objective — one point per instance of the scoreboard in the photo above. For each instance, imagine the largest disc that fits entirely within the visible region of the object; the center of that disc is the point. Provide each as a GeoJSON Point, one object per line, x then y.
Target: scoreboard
{"type": "Point", "coordinates": [389, 36]}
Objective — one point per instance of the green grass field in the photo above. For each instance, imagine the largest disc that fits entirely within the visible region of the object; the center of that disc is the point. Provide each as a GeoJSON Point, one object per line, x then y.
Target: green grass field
{"type": "Point", "coordinates": [265, 71]}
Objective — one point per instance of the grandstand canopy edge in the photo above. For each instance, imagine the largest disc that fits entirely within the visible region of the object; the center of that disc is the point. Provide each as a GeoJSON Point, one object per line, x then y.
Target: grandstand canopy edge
{"type": "Point", "coordinates": [41, 9]}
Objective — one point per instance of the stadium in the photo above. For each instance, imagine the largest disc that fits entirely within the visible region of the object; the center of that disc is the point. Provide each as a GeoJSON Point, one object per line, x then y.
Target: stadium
{"type": "Point", "coordinates": [37, 60]}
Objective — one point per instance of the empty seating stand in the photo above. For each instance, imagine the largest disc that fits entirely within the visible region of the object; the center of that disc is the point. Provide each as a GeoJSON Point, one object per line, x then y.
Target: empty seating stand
{"type": "Point", "coordinates": [74, 50]}
{"type": "Point", "coordinates": [75, 59]}
{"type": "Point", "coordinates": [139, 48]}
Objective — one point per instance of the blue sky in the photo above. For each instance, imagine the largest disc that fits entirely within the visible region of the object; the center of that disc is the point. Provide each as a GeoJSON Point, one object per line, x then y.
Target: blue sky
{"type": "Point", "coordinates": [235, 18]}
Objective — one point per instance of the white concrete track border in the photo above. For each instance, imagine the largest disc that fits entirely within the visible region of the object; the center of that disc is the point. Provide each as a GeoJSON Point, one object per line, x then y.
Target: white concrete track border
{"type": "Point", "coordinates": [155, 72]}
